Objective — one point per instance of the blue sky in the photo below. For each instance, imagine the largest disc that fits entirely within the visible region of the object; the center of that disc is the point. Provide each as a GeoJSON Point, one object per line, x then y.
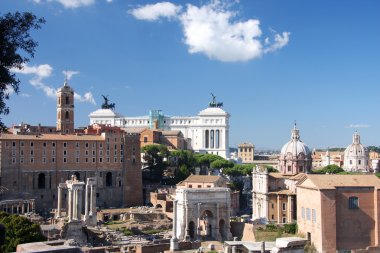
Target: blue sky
{"type": "Point", "coordinates": [270, 62]}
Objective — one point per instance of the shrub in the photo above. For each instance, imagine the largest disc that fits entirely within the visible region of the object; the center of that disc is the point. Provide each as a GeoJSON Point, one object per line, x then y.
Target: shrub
{"type": "Point", "coordinates": [290, 228]}
{"type": "Point", "coordinates": [271, 228]}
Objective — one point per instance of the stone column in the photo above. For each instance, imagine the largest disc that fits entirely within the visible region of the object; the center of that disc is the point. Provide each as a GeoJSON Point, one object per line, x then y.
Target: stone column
{"type": "Point", "coordinates": [278, 209]}
{"type": "Point", "coordinates": [59, 206]}
{"type": "Point", "coordinates": [199, 222]}
{"type": "Point", "coordinates": [74, 204]}
{"type": "Point", "coordinates": [28, 207]}
{"type": "Point", "coordinates": [217, 232]}
{"type": "Point", "coordinates": [80, 197]}
{"type": "Point", "coordinates": [289, 210]}
{"type": "Point", "coordinates": [186, 237]}
{"type": "Point", "coordinates": [70, 204]}
{"type": "Point", "coordinates": [174, 240]}
{"type": "Point", "coordinates": [93, 201]}
{"type": "Point", "coordinates": [86, 202]}
{"type": "Point", "coordinates": [23, 208]}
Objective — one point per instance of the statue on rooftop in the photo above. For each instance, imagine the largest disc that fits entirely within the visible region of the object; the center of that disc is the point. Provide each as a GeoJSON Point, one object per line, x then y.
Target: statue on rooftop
{"type": "Point", "coordinates": [213, 102]}
{"type": "Point", "coordinates": [106, 104]}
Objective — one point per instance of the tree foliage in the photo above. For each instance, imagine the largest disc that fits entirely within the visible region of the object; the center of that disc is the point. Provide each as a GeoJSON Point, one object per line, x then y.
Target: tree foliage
{"type": "Point", "coordinates": [16, 49]}
{"type": "Point", "coordinates": [154, 156]}
{"type": "Point", "coordinates": [329, 169]}
{"type": "Point", "coordinates": [18, 230]}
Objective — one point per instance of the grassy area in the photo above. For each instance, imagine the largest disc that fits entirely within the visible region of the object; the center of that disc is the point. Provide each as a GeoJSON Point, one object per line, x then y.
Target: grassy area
{"type": "Point", "coordinates": [270, 236]}
{"type": "Point", "coordinates": [271, 232]}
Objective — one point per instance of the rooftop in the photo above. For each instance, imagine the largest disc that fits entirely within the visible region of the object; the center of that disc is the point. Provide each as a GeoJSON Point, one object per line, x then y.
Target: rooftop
{"type": "Point", "coordinates": [336, 181]}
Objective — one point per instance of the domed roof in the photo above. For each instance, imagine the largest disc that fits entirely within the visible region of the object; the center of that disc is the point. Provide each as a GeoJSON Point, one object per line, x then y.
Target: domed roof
{"type": "Point", "coordinates": [356, 148]}
{"type": "Point", "coordinates": [104, 113]}
{"type": "Point", "coordinates": [295, 146]}
{"type": "Point", "coordinates": [213, 111]}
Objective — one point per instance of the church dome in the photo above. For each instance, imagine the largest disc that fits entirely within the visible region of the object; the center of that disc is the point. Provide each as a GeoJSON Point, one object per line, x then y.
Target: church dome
{"type": "Point", "coordinates": [356, 148]}
{"type": "Point", "coordinates": [295, 146]}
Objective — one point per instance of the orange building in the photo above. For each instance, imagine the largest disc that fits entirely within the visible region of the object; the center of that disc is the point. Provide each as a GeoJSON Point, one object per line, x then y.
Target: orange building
{"type": "Point", "coordinates": [34, 160]}
{"type": "Point", "coordinates": [339, 213]}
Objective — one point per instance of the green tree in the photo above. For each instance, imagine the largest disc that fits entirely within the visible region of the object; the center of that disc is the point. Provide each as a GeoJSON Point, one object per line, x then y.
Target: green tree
{"type": "Point", "coordinates": [221, 163]}
{"type": "Point", "coordinates": [15, 37]}
{"type": "Point", "coordinates": [329, 169]}
{"type": "Point", "coordinates": [19, 230]}
{"type": "Point", "coordinates": [154, 156]}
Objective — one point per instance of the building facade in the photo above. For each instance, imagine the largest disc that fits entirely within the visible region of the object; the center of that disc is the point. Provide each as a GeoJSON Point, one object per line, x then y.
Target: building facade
{"type": "Point", "coordinates": [339, 213]}
{"type": "Point", "coordinates": [32, 164]}
{"type": "Point", "coordinates": [208, 132]}
{"type": "Point", "coordinates": [274, 194]}
{"type": "Point", "coordinates": [246, 152]}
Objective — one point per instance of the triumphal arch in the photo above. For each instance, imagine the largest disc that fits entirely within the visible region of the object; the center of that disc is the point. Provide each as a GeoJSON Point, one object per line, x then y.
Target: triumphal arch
{"type": "Point", "coordinates": [203, 213]}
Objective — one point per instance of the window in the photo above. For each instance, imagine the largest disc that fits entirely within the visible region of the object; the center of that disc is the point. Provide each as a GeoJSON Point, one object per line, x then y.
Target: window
{"type": "Point", "coordinates": [283, 219]}
{"type": "Point", "coordinates": [289, 168]}
{"type": "Point", "coordinates": [301, 168]}
{"type": "Point", "coordinates": [86, 144]}
{"type": "Point", "coordinates": [66, 115]}
{"type": "Point", "coordinates": [308, 213]}
{"type": "Point", "coordinates": [190, 186]}
{"type": "Point", "coordinates": [14, 144]}
{"type": "Point", "coordinates": [353, 203]}
{"type": "Point", "coordinates": [272, 205]}
{"type": "Point", "coordinates": [53, 144]}
{"type": "Point", "coordinates": [31, 144]}
{"type": "Point", "coordinates": [283, 206]}
{"type": "Point", "coordinates": [199, 186]}
{"type": "Point", "coordinates": [360, 162]}
{"type": "Point", "coordinates": [313, 215]}
{"type": "Point", "coordinates": [64, 160]}
{"type": "Point", "coordinates": [22, 144]}
{"type": "Point", "coordinates": [272, 216]}
{"type": "Point", "coordinates": [77, 144]}
{"type": "Point", "coordinates": [41, 181]}
{"type": "Point", "coordinates": [108, 179]}
{"type": "Point", "coordinates": [65, 144]}
{"type": "Point", "coordinates": [145, 139]}
{"type": "Point", "coordinates": [67, 100]}
{"type": "Point", "coordinates": [303, 212]}
{"type": "Point", "coordinates": [64, 152]}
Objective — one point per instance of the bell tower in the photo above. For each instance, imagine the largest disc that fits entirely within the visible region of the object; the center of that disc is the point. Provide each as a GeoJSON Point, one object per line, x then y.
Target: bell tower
{"type": "Point", "coordinates": [65, 109]}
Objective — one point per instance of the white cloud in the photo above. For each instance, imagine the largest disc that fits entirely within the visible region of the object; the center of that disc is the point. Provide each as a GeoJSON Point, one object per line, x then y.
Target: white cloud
{"type": "Point", "coordinates": [357, 126]}
{"type": "Point", "coordinates": [87, 97]}
{"type": "Point", "coordinates": [279, 42]}
{"type": "Point", "coordinates": [109, 1]}
{"type": "Point", "coordinates": [43, 71]}
{"type": "Point", "coordinates": [25, 95]}
{"type": "Point", "coordinates": [70, 4]}
{"type": "Point", "coordinates": [152, 12]}
{"type": "Point", "coordinates": [69, 73]}
{"type": "Point", "coordinates": [211, 29]}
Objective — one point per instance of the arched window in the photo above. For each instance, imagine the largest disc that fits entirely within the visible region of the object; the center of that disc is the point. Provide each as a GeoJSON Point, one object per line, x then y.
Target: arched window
{"type": "Point", "coordinates": [207, 136]}
{"type": "Point", "coordinates": [77, 175]}
{"type": "Point", "coordinates": [109, 179]}
{"type": "Point", "coordinates": [41, 181]}
{"type": "Point", "coordinates": [67, 100]}
{"type": "Point", "coordinates": [66, 115]}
